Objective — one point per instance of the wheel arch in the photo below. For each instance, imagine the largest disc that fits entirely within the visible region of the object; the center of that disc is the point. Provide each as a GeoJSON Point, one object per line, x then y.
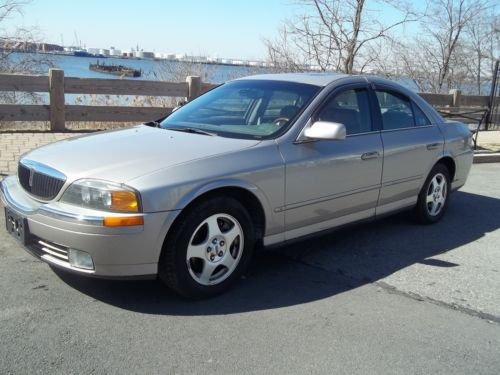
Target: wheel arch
{"type": "Point", "coordinates": [247, 194]}
{"type": "Point", "coordinates": [449, 163]}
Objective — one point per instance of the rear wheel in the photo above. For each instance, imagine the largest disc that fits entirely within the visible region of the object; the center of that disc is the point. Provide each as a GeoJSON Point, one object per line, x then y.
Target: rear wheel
{"type": "Point", "coordinates": [433, 198]}
{"type": "Point", "coordinates": [208, 248]}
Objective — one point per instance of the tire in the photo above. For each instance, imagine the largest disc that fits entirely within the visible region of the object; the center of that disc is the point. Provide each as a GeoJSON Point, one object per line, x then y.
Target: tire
{"type": "Point", "coordinates": [208, 248]}
{"type": "Point", "coordinates": [434, 196]}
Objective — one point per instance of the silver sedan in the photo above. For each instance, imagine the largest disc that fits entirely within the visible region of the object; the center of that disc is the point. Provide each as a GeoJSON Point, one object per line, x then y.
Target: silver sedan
{"type": "Point", "coordinates": [257, 161]}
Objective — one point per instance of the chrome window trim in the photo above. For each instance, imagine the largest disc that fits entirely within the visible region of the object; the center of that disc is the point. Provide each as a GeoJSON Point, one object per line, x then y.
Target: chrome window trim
{"type": "Point", "coordinates": [407, 128]}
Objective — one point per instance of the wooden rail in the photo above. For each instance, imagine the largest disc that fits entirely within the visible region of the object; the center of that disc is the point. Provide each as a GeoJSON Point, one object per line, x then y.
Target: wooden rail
{"type": "Point", "coordinates": [58, 111]}
{"type": "Point", "coordinates": [57, 86]}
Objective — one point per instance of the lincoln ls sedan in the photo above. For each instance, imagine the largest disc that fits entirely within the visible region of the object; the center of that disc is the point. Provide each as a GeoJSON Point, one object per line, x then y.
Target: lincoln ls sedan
{"type": "Point", "coordinates": [255, 162]}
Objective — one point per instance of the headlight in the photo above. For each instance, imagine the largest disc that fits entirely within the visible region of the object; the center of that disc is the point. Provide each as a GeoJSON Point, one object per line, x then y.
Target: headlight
{"type": "Point", "coordinates": [102, 195]}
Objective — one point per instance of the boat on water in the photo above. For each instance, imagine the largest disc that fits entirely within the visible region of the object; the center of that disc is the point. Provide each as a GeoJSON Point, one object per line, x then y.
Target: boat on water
{"type": "Point", "coordinates": [82, 53]}
{"type": "Point", "coordinates": [119, 70]}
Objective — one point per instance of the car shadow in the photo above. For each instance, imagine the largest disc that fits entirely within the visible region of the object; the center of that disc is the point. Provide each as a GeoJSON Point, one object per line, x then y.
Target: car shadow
{"type": "Point", "coordinates": [318, 268]}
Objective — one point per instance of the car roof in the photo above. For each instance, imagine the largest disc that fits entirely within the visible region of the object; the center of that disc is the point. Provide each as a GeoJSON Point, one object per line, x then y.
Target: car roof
{"type": "Point", "coordinates": [317, 79]}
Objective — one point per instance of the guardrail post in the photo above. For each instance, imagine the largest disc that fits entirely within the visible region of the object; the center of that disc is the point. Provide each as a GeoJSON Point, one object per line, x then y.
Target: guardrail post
{"type": "Point", "coordinates": [457, 97]}
{"type": "Point", "coordinates": [194, 87]}
{"type": "Point", "coordinates": [56, 97]}
{"type": "Point", "coordinates": [493, 93]}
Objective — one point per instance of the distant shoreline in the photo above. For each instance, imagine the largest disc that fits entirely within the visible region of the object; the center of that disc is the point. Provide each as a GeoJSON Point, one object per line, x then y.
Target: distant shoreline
{"type": "Point", "coordinates": [100, 56]}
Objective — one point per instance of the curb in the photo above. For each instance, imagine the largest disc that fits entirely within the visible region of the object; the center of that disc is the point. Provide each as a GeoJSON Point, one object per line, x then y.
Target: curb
{"type": "Point", "coordinates": [487, 158]}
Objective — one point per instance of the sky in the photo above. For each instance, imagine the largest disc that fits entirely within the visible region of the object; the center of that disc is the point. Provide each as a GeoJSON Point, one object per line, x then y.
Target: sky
{"type": "Point", "coordinates": [221, 28]}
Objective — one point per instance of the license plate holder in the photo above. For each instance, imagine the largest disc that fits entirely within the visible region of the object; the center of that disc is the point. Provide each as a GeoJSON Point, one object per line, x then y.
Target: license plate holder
{"type": "Point", "coordinates": [17, 226]}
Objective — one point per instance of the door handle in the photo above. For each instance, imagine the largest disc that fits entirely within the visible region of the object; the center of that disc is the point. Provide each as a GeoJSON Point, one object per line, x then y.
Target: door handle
{"type": "Point", "coordinates": [433, 146]}
{"type": "Point", "coordinates": [370, 155]}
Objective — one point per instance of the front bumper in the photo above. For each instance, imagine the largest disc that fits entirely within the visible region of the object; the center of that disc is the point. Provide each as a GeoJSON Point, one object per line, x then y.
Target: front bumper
{"type": "Point", "coordinates": [116, 252]}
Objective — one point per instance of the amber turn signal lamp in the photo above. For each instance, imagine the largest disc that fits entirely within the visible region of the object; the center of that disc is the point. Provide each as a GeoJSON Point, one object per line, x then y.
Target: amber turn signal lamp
{"type": "Point", "coordinates": [123, 221]}
{"type": "Point", "coordinates": [124, 201]}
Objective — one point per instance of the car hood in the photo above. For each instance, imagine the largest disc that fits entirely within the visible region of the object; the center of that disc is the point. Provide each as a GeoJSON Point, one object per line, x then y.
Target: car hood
{"type": "Point", "coordinates": [122, 155]}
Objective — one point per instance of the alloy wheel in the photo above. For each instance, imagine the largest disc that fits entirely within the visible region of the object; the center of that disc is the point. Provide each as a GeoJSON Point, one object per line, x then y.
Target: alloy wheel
{"type": "Point", "coordinates": [215, 249]}
{"type": "Point", "coordinates": [436, 194]}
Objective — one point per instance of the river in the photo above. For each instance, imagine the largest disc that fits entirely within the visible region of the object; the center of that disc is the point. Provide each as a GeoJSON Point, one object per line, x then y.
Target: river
{"type": "Point", "coordinates": [152, 69]}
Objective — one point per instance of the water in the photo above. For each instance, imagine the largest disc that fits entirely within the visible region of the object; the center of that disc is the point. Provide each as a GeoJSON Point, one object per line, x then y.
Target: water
{"type": "Point", "coordinates": [152, 70]}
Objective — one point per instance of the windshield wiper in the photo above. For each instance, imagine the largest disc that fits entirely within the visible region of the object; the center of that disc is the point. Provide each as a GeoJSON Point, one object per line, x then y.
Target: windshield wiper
{"type": "Point", "coordinates": [192, 130]}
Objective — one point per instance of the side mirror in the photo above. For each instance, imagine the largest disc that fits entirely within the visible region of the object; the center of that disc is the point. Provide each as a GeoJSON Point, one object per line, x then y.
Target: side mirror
{"type": "Point", "coordinates": [326, 130]}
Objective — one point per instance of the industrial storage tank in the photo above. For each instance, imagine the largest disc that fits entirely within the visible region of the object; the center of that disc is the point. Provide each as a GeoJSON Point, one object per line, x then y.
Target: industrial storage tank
{"type": "Point", "coordinates": [114, 52]}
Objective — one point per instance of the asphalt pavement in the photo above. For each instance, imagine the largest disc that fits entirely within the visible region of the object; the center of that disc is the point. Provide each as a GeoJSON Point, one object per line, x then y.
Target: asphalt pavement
{"type": "Point", "coordinates": [388, 297]}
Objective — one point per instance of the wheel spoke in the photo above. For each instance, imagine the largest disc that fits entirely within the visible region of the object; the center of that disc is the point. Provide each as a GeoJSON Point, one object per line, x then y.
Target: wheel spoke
{"type": "Point", "coordinates": [228, 260]}
{"type": "Point", "coordinates": [430, 198]}
{"type": "Point", "coordinates": [196, 251]}
{"type": "Point", "coordinates": [213, 226]}
{"type": "Point", "coordinates": [206, 273]}
{"type": "Point", "coordinates": [434, 183]}
{"type": "Point", "coordinates": [231, 235]}
{"type": "Point", "coordinates": [442, 199]}
{"type": "Point", "coordinates": [444, 189]}
{"type": "Point", "coordinates": [442, 184]}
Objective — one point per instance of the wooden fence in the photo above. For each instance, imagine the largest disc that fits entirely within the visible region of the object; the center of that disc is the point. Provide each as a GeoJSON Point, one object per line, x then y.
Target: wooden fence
{"type": "Point", "coordinates": [58, 112]}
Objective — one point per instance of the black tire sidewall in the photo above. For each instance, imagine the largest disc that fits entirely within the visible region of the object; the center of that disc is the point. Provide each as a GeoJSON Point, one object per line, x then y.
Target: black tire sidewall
{"type": "Point", "coordinates": [175, 248]}
{"type": "Point", "coordinates": [421, 208]}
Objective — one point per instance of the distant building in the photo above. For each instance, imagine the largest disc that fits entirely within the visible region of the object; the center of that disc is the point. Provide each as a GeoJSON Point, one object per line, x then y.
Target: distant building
{"type": "Point", "coordinates": [46, 47]}
{"type": "Point", "coordinates": [93, 51]}
{"type": "Point", "coordinates": [114, 52]}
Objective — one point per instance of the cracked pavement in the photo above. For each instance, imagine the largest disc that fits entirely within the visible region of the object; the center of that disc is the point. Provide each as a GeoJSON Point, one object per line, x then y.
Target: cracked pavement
{"type": "Point", "coordinates": [387, 297]}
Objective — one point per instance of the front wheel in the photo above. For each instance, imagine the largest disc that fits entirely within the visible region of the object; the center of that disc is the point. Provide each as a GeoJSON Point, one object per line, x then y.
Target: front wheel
{"type": "Point", "coordinates": [208, 248]}
{"type": "Point", "coordinates": [433, 198]}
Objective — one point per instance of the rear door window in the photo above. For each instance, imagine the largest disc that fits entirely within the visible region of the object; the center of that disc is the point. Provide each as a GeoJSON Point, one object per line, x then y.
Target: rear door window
{"type": "Point", "coordinates": [395, 109]}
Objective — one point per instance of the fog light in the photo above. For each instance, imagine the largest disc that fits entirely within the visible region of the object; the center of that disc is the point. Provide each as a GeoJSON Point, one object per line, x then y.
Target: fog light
{"type": "Point", "coordinates": [80, 259]}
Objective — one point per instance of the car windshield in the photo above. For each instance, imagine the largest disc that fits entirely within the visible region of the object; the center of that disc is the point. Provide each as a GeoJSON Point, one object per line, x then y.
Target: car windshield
{"type": "Point", "coordinates": [254, 109]}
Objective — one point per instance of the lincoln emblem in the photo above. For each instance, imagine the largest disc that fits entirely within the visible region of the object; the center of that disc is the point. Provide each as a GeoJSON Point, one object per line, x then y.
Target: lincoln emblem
{"type": "Point", "coordinates": [30, 181]}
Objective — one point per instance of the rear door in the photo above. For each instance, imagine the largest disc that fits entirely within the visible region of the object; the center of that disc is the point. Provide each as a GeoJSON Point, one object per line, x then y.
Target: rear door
{"type": "Point", "coordinates": [411, 146]}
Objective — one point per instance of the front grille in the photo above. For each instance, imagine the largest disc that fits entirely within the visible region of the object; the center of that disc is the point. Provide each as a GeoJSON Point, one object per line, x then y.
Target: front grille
{"type": "Point", "coordinates": [42, 247]}
{"type": "Point", "coordinates": [38, 183]}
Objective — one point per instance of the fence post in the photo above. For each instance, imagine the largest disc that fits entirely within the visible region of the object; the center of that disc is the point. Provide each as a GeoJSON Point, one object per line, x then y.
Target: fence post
{"type": "Point", "coordinates": [56, 97]}
{"type": "Point", "coordinates": [194, 87]}
{"type": "Point", "coordinates": [457, 97]}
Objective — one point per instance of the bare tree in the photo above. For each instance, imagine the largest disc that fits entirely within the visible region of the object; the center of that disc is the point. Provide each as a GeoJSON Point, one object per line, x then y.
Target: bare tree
{"type": "Point", "coordinates": [332, 35]}
{"type": "Point", "coordinates": [481, 49]}
{"type": "Point", "coordinates": [438, 58]}
{"type": "Point", "coordinates": [11, 62]}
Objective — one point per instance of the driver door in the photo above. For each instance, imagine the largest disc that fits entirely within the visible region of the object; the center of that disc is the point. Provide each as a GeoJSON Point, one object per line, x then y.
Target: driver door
{"type": "Point", "coordinates": [333, 182]}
